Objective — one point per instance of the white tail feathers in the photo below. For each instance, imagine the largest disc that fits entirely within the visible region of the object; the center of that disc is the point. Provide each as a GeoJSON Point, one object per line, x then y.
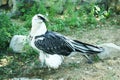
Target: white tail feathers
{"type": "Point", "coordinates": [86, 48]}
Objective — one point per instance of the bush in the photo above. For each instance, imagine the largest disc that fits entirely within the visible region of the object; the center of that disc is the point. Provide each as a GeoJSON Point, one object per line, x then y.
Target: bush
{"type": "Point", "coordinates": [7, 30]}
{"type": "Point", "coordinates": [74, 15]}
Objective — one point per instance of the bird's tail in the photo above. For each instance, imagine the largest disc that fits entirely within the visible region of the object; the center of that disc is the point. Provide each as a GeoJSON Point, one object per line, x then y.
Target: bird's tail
{"type": "Point", "coordinates": [85, 49]}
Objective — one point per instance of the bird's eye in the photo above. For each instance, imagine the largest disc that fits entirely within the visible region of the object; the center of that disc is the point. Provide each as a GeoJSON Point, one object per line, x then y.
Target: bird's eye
{"type": "Point", "coordinates": [42, 18]}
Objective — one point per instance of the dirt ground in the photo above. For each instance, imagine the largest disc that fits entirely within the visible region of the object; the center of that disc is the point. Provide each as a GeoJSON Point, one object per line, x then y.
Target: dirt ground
{"type": "Point", "coordinates": [75, 67]}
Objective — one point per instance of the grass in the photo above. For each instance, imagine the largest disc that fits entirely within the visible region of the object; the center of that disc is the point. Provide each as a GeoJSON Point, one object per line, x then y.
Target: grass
{"type": "Point", "coordinates": [19, 65]}
{"type": "Point", "coordinates": [72, 21]}
{"type": "Point", "coordinates": [14, 65]}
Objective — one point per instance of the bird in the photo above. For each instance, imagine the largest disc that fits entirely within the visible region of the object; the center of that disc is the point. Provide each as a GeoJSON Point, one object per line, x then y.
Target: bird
{"type": "Point", "coordinates": [53, 46]}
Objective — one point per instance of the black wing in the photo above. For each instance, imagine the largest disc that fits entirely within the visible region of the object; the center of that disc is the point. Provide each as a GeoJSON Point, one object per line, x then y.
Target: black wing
{"type": "Point", "coordinates": [53, 43]}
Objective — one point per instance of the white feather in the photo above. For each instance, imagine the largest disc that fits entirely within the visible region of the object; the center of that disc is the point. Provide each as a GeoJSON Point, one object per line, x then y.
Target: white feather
{"type": "Point", "coordinates": [42, 58]}
{"type": "Point", "coordinates": [39, 28]}
{"type": "Point", "coordinates": [53, 61]}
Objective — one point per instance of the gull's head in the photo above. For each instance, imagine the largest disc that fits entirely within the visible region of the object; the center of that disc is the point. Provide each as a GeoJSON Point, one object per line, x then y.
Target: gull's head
{"type": "Point", "coordinates": [38, 22]}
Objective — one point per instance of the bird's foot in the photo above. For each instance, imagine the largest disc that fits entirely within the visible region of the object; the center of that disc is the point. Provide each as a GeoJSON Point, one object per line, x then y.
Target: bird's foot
{"type": "Point", "coordinates": [90, 61]}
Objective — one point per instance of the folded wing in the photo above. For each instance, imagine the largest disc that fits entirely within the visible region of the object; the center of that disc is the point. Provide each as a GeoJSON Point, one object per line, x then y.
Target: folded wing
{"type": "Point", "coordinates": [53, 43]}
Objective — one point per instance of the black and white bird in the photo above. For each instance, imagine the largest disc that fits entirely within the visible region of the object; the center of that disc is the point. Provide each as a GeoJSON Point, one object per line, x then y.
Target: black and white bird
{"type": "Point", "coordinates": [53, 46]}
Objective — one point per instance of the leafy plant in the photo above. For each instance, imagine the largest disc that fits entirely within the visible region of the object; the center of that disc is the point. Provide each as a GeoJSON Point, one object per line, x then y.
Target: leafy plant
{"type": "Point", "coordinates": [73, 17]}
{"type": "Point", "coordinates": [5, 31]}
{"type": "Point", "coordinates": [8, 30]}
{"type": "Point", "coordinates": [57, 24]}
{"type": "Point", "coordinates": [29, 50]}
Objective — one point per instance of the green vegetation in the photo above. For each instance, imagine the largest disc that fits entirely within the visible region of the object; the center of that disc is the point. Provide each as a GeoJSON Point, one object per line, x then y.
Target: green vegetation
{"type": "Point", "coordinates": [73, 16]}
{"type": "Point", "coordinates": [70, 18]}
{"type": "Point", "coordinates": [7, 30]}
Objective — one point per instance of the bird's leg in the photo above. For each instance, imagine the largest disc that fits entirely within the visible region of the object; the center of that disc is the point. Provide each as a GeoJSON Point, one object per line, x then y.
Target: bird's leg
{"type": "Point", "coordinates": [42, 59]}
{"type": "Point", "coordinates": [88, 58]}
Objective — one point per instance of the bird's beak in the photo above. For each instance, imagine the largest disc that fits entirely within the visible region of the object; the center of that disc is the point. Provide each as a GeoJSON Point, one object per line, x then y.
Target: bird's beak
{"type": "Point", "coordinates": [46, 19]}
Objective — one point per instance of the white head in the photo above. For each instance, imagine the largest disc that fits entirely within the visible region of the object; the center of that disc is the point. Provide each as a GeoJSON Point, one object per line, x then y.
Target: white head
{"type": "Point", "coordinates": [38, 23]}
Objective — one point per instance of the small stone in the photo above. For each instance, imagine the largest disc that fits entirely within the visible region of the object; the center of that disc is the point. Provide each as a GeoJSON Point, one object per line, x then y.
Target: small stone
{"type": "Point", "coordinates": [72, 58]}
{"type": "Point", "coordinates": [78, 62]}
{"type": "Point", "coordinates": [111, 62]}
{"type": "Point", "coordinates": [99, 66]}
{"type": "Point", "coordinates": [24, 78]}
{"type": "Point", "coordinates": [110, 68]}
{"type": "Point", "coordinates": [61, 79]}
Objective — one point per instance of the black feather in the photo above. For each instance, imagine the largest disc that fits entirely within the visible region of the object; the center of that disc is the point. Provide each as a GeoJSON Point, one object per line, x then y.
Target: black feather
{"type": "Point", "coordinates": [87, 48]}
{"type": "Point", "coordinates": [42, 18]}
{"type": "Point", "coordinates": [53, 44]}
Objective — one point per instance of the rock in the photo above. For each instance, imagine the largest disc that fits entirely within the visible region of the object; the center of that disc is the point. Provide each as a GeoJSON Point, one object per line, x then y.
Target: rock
{"type": "Point", "coordinates": [17, 43]}
{"type": "Point", "coordinates": [3, 2]}
{"type": "Point", "coordinates": [10, 3]}
{"type": "Point", "coordinates": [15, 11]}
{"type": "Point", "coordinates": [24, 78]}
{"type": "Point", "coordinates": [19, 7]}
{"type": "Point", "coordinates": [6, 2]}
{"type": "Point", "coordinates": [110, 51]}
{"type": "Point", "coordinates": [117, 7]}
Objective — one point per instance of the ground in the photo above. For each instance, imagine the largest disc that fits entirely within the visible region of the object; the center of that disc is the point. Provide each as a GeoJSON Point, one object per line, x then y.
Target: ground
{"type": "Point", "coordinates": [75, 67]}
